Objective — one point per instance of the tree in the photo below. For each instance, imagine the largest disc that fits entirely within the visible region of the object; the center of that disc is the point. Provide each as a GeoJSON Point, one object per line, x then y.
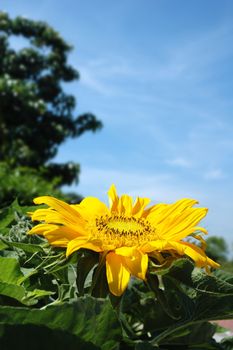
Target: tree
{"type": "Point", "coordinates": [36, 115]}
{"type": "Point", "coordinates": [217, 249]}
{"type": "Point", "coordinates": [25, 184]}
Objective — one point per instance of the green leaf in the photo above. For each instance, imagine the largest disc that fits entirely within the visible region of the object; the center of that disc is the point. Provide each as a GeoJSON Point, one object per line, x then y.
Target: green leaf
{"type": "Point", "coordinates": [86, 263]}
{"type": "Point", "coordinates": [181, 270]}
{"type": "Point", "coordinates": [190, 297]}
{"type": "Point", "coordinates": [66, 292]}
{"type": "Point", "coordinates": [99, 287]}
{"type": "Point", "coordinates": [31, 297]}
{"type": "Point", "coordinates": [6, 217]}
{"type": "Point", "coordinates": [3, 245]}
{"type": "Point", "coordinates": [12, 291]}
{"type": "Point", "coordinates": [10, 270]}
{"type": "Point", "coordinates": [214, 298]}
{"type": "Point", "coordinates": [212, 294]}
{"type": "Point", "coordinates": [213, 285]}
{"type": "Point", "coordinates": [92, 320]}
{"type": "Point", "coordinates": [26, 247]}
{"type": "Point", "coordinates": [9, 215]}
{"type": "Point", "coordinates": [21, 295]}
{"type": "Point", "coordinates": [41, 337]}
{"type": "Point", "coordinates": [195, 334]}
{"type": "Point", "coordinates": [11, 278]}
{"type": "Point", "coordinates": [144, 345]}
{"type": "Point", "coordinates": [224, 275]}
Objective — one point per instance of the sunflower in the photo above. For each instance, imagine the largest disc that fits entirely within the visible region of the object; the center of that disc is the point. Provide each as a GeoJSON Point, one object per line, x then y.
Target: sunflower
{"type": "Point", "coordinates": [125, 234]}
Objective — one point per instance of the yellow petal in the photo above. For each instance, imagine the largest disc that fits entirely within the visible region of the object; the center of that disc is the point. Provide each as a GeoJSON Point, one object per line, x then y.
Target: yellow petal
{"type": "Point", "coordinates": [56, 235]}
{"type": "Point", "coordinates": [139, 206]}
{"type": "Point", "coordinates": [40, 214]}
{"type": "Point", "coordinates": [165, 211]}
{"type": "Point", "coordinates": [90, 207]}
{"type": "Point", "coordinates": [125, 251]}
{"type": "Point", "coordinates": [179, 226]}
{"type": "Point", "coordinates": [136, 261]}
{"type": "Point", "coordinates": [113, 198]}
{"type": "Point", "coordinates": [64, 232]}
{"type": "Point", "coordinates": [61, 217]}
{"type": "Point", "coordinates": [40, 229]}
{"type": "Point", "coordinates": [154, 210]}
{"type": "Point", "coordinates": [79, 243]}
{"type": "Point", "coordinates": [182, 248]}
{"type": "Point", "coordinates": [69, 213]}
{"type": "Point", "coordinates": [107, 247]}
{"type": "Point", "coordinates": [201, 229]}
{"type": "Point", "coordinates": [158, 245]}
{"type": "Point", "coordinates": [58, 242]}
{"type": "Point", "coordinates": [137, 264]}
{"type": "Point", "coordinates": [117, 274]}
{"type": "Point", "coordinates": [125, 205]}
{"type": "Point", "coordinates": [198, 255]}
{"type": "Point", "coordinates": [212, 263]}
{"type": "Point", "coordinates": [194, 252]}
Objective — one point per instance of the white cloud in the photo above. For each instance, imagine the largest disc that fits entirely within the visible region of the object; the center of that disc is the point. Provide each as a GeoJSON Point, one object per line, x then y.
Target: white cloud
{"type": "Point", "coordinates": [89, 79]}
{"type": "Point", "coordinates": [215, 174]}
{"type": "Point", "coordinates": [190, 60]}
{"type": "Point", "coordinates": [180, 162]}
{"type": "Point", "coordinates": [159, 187]}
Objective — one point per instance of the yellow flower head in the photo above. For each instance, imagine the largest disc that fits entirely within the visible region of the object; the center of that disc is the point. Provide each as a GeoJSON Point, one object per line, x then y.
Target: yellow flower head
{"type": "Point", "coordinates": [126, 233]}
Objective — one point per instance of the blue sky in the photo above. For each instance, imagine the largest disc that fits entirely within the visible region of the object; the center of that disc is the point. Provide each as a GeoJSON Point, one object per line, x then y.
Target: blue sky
{"type": "Point", "coordinates": [159, 74]}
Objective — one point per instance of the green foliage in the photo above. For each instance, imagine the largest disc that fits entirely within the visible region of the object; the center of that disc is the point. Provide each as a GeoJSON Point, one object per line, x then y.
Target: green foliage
{"type": "Point", "coordinates": [24, 184]}
{"type": "Point", "coordinates": [65, 303]}
{"type": "Point", "coordinates": [228, 266]}
{"type": "Point", "coordinates": [93, 321]}
{"type": "Point", "coordinates": [217, 249]}
{"type": "Point", "coordinates": [36, 115]}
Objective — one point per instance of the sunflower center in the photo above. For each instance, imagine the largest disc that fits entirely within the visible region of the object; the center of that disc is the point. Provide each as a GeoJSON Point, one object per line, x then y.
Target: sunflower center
{"type": "Point", "coordinates": [120, 230]}
{"type": "Point", "coordinates": [123, 225]}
